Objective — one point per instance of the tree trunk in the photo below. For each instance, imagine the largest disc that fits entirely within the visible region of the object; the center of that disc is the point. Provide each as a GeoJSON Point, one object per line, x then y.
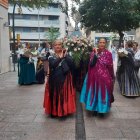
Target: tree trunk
{"type": "Point", "coordinates": [121, 37]}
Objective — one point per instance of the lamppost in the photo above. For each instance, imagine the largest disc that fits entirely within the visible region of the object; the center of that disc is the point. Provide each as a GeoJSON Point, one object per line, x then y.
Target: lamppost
{"type": "Point", "coordinates": [14, 56]}
{"type": "Point", "coordinates": [38, 27]}
{"type": "Point", "coordinates": [0, 47]}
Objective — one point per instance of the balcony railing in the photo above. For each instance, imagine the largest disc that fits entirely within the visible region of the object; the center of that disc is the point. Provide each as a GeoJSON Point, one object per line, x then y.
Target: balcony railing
{"type": "Point", "coordinates": [51, 10]}
{"type": "Point", "coordinates": [51, 22]}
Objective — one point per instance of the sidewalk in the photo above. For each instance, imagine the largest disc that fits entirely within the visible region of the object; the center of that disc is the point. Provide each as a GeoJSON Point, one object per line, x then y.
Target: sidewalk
{"type": "Point", "coordinates": [22, 116]}
{"type": "Point", "coordinates": [121, 123]}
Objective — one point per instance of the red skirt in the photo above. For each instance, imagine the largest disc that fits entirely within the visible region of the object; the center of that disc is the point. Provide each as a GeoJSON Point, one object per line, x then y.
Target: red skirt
{"type": "Point", "coordinates": [69, 103]}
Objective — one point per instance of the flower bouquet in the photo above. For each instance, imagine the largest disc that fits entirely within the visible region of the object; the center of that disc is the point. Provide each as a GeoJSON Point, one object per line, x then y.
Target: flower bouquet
{"type": "Point", "coordinates": [80, 48]}
{"type": "Point", "coordinates": [122, 53]}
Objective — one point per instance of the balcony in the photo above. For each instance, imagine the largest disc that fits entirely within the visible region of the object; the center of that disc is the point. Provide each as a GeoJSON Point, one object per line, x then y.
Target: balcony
{"type": "Point", "coordinates": [31, 35]}
{"type": "Point", "coordinates": [34, 23]}
{"type": "Point", "coordinates": [52, 22]}
{"type": "Point", "coordinates": [51, 10]}
{"type": "Point", "coordinates": [43, 11]}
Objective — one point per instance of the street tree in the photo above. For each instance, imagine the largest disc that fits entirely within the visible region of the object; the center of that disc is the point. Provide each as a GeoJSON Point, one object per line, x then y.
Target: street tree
{"type": "Point", "coordinates": [52, 34]}
{"type": "Point", "coordinates": [110, 15]}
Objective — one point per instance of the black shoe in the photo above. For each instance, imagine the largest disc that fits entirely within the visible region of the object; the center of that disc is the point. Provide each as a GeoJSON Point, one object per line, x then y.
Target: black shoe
{"type": "Point", "coordinates": [101, 115]}
{"type": "Point", "coordinates": [52, 116]}
{"type": "Point", "coordinates": [95, 113]}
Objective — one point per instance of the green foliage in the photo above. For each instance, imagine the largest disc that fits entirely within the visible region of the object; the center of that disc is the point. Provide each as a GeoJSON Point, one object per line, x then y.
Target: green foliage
{"type": "Point", "coordinates": [113, 37]}
{"type": "Point", "coordinates": [52, 35]}
{"type": "Point", "coordinates": [110, 15]}
{"type": "Point", "coordinates": [32, 3]}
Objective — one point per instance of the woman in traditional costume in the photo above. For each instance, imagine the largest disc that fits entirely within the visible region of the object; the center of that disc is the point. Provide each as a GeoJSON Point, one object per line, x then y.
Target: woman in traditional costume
{"type": "Point", "coordinates": [59, 97]}
{"type": "Point", "coordinates": [97, 92]}
{"type": "Point", "coordinates": [40, 74]}
{"type": "Point", "coordinates": [26, 68]}
{"type": "Point", "coordinates": [113, 51]}
{"type": "Point", "coordinates": [44, 59]}
{"type": "Point", "coordinates": [127, 73]}
{"type": "Point", "coordinates": [136, 56]}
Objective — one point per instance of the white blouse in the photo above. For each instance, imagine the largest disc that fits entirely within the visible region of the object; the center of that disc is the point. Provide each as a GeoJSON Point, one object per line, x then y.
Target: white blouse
{"type": "Point", "coordinates": [137, 55]}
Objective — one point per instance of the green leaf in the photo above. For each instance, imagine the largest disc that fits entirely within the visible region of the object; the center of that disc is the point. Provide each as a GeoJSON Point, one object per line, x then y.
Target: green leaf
{"type": "Point", "coordinates": [52, 35]}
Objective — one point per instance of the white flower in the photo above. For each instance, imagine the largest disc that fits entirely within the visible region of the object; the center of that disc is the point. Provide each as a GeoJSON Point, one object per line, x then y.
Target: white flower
{"type": "Point", "coordinates": [75, 50]}
{"type": "Point", "coordinates": [72, 44]}
{"type": "Point", "coordinates": [125, 52]}
{"type": "Point", "coordinates": [68, 44]}
{"type": "Point", "coordinates": [121, 50]}
{"type": "Point", "coordinates": [82, 43]}
{"type": "Point", "coordinates": [86, 46]}
{"type": "Point", "coordinates": [89, 45]}
{"type": "Point", "coordinates": [78, 49]}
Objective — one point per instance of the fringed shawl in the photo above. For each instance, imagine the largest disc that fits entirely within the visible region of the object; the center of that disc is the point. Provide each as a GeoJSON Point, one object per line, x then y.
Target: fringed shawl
{"type": "Point", "coordinates": [100, 76]}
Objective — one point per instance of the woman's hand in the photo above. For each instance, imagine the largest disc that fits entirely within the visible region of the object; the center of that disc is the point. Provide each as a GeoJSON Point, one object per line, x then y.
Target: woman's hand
{"type": "Point", "coordinates": [61, 55]}
{"type": "Point", "coordinates": [65, 53]}
{"type": "Point", "coordinates": [96, 50]}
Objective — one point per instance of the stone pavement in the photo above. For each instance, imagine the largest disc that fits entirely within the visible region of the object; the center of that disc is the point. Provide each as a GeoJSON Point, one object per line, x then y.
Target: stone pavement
{"type": "Point", "coordinates": [22, 116]}
{"type": "Point", "coordinates": [121, 123]}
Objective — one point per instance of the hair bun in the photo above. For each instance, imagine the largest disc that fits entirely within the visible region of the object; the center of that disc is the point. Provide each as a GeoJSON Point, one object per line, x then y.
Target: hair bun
{"type": "Point", "coordinates": [130, 43]}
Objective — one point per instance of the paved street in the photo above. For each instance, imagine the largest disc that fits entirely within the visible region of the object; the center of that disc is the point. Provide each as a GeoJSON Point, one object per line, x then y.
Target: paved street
{"type": "Point", "coordinates": [22, 116]}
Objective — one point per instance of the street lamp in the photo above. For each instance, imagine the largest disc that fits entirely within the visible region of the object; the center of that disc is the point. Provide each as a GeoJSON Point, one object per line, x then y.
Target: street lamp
{"type": "Point", "coordinates": [38, 27]}
{"type": "Point", "coordinates": [0, 48]}
{"type": "Point", "coordinates": [14, 56]}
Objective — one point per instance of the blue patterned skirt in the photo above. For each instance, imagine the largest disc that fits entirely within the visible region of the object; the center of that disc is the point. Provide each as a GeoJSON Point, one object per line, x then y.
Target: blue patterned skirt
{"type": "Point", "coordinates": [96, 105]}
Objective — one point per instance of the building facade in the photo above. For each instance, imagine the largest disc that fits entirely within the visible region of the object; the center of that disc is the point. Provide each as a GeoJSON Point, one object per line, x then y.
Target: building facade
{"type": "Point", "coordinates": [32, 25]}
{"type": "Point", "coordinates": [96, 35]}
{"type": "Point", "coordinates": [4, 37]}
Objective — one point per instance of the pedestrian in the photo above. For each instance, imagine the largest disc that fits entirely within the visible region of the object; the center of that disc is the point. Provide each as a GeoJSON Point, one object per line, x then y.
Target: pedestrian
{"type": "Point", "coordinates": [127, 73]}
{"type": "Point", "coordinates": [113, 51]}
{"type": "Point", "coordinates": [136, 56]}
{"type": "Point", "coordinates": [44, 59]}
{"type": "Point", "coordinates": [26, 68]}
{"type": "Point", "coordinates": [59, 99]}
{"type": "Point", "coordinates": [117, 47]}
{"type": "Point", "coordinates": [122, 46]}
{"type": "Point", "coordinates": [39, 48]}
{"type": "Point", "coordinates": [40, 74]}
{"type": "Point", "coordinates": [97, 92]}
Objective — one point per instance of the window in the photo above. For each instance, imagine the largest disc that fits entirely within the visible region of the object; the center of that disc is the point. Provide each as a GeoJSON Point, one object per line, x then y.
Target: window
{"type": "Point", "coordinates": [27, 29]}
{"type": "Point", "coordinates": [26, 16]}
{"type": "Point", "coordinates": [33, 30]}
{"type": "Point", "coordinates": [53, 18]}
{"type": "Point", "coordinates": [18, 16]}
{"type": "Point", "coordinates": [51, 5]}
{"type": "Point", "coordinates": [18, 29]}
